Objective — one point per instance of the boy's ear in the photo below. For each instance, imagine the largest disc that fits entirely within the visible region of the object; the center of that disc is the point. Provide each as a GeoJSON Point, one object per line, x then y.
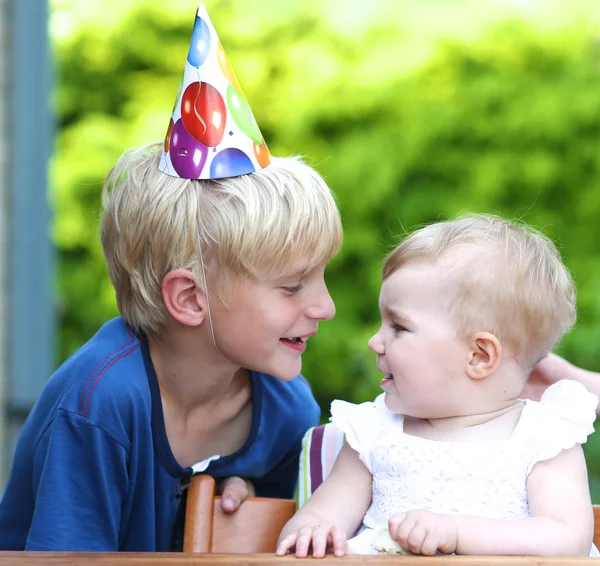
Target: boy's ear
{"type": "Point", "coordinates": [184, 301]}
{"type": "Point", "coordinates": [485, 352]}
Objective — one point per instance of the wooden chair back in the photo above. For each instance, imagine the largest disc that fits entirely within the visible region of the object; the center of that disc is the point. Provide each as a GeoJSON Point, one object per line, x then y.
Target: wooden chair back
{"type": "Point", "coordinates": [597, 525]}
{"type": "Point", "coordinates": [253, 528]}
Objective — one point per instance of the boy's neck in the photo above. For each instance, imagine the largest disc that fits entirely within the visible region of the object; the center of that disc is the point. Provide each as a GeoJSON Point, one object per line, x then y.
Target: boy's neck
{"type": "Point", "coordinates": [192, 374]}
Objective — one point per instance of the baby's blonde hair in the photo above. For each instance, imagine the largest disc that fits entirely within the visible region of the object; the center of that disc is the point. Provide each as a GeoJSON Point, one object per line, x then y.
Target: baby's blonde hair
{"type": "Point", "coordinates": [262, 224]}
{"type": "Point", "coordinates": [502, 277]}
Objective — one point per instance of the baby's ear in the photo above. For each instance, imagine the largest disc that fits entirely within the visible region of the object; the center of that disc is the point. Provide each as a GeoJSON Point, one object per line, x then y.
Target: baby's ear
{"type": "Point", "coordinates": [485, 352]}
{"type": "Point", "coordinates": [184, 301]}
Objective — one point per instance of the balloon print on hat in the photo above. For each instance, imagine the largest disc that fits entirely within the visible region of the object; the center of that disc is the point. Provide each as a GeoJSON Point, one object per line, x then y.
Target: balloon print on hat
{"type": "Point", "coordinates": [261, 152]}
{"type": "Point", "coordinates": [230, 162]}
{"type": "Point", "coordinates": [188, 155]}
{"type": "Point", "coordinates": [212, 132]}
{"type": "Point", "coordinates": [242, 115]}
{"type": "Point", "coordinates": [226, 68]}
{"type": "Point", "coordinates": [200, 43]}
{"type": "Point", "coordinates": [203, 113]}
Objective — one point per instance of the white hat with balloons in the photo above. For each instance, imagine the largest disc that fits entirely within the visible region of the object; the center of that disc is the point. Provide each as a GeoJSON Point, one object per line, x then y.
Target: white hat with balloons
{"type": "Point", "coordinates": [212, 133]}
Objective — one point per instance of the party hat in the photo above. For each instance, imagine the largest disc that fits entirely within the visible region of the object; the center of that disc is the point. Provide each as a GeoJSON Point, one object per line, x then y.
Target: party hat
{"type": "Point", "coordinates": [212, 132]}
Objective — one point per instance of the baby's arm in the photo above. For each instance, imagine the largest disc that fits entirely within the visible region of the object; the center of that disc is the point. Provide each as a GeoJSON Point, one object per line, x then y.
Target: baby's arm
{"type": "Point", "coordinates": [334, 510]}
{"type": "Point", "coordinates": [561, 522]}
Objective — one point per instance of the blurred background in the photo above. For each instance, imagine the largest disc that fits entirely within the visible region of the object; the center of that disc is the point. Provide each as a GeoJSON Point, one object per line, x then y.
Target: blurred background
{"type": "Point", "coordinates": [413, 111]}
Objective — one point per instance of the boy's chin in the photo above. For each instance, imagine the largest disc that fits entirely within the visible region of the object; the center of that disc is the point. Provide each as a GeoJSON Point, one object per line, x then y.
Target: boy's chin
{"type": "Point", "coordinates": [287, 373]}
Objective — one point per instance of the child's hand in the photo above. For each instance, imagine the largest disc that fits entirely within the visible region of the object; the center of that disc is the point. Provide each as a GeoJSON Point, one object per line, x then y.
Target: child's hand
{"type": "Point", "coordinates": [320, 536]}
{"type": "Point", "coordinates": [424, 532]}
{"type": "Point", "coordinates": [233, 491]}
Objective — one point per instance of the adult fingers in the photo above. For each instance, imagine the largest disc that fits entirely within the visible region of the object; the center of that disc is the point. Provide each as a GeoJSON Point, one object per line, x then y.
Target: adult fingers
{"type": "Point", "coordinates": [233, 491]}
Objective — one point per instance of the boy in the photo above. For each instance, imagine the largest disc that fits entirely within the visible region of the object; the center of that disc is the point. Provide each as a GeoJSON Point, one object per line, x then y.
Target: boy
{"type": "Point", "coordinates": [164, 390]}
{"type": "Point", "coordinates": [217, 259]}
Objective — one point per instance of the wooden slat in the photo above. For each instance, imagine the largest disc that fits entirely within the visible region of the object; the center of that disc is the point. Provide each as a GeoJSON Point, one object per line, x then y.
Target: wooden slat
{"type": "Point", "coordinates": [597, 525]}
{"type": "Point", "coordinates": [198, 530]}
{"type": "Point", "coordinates": [254, 527]}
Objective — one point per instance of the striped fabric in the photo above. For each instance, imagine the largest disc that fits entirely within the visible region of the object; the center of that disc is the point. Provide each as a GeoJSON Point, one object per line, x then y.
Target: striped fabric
{"type": "Point", "coordinates": [320, 447]}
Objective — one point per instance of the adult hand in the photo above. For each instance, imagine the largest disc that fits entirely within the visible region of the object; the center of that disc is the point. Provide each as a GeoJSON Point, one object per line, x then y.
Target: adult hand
{"type": "Point", "coordinates": [424, 532]}
{"type": "Point", "coordinates": [553, 368]}
{"type": "Point", "coordinates": [233, 491]}
{"type": "Point", "coordinates": [549, 370]}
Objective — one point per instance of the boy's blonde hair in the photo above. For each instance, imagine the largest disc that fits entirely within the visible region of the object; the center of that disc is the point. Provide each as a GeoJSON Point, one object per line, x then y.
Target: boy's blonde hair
{"type": "Point", "coordinates": [502, 277]}
{"type": "Point", "coordinates": [246, 226]}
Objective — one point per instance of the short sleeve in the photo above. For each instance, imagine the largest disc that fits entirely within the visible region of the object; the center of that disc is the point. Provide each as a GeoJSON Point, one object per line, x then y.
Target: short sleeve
{"type": "Point", "coordinates": [362, 424]}
{"type": "Point", "coordinates": [80, 479]}
{"type": "Point", "coordinates": [563, 417]}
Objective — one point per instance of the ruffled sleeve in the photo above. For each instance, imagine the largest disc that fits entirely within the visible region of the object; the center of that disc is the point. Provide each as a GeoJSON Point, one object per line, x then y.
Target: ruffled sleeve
{"type": "Point", "coordinates": [563, 417]}
{"type": "Point", "coordinates": [363, 423]}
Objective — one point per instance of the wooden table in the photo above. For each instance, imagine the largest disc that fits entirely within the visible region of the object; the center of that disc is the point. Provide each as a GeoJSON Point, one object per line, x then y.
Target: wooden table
{"type": "Point", "coordinates": [179, 559]}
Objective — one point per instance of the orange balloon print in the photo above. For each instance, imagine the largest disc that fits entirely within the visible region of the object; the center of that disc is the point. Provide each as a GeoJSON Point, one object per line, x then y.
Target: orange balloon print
{"type": "Point", "coordinates": [226, 68]}
{"type": "Point", "coordinates": [168, 136]}
{"type": "Point", "coordinates": [262, 154]}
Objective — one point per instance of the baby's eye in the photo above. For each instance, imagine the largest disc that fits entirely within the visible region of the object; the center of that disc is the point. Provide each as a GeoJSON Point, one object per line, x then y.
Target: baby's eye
{"type": "Point", "coordinates": [292, 289]}
{"type": "Point", "coordinates": [397, 327]}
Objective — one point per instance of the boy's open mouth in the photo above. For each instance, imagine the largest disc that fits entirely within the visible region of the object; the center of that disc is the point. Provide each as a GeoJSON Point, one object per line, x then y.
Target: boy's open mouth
{"type": "Point", "coordinates": [296, 340]}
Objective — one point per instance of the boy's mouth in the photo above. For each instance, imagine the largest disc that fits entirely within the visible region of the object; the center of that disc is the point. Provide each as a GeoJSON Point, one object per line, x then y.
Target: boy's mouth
{"type": "Point", "coordinates": [296, 340]}
{"type": "Point", "coordinates": [297, 343]}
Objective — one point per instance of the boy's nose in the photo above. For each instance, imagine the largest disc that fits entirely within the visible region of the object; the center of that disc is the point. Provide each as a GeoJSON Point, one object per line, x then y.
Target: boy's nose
{"type": "Point", "coordinates": [323, 307]}
{"type": "Point", "coordinates": [376, 344]}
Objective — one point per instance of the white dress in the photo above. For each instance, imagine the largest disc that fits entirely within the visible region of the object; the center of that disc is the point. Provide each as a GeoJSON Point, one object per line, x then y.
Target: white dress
{"type": "Point", "coordinates": [484, 479]}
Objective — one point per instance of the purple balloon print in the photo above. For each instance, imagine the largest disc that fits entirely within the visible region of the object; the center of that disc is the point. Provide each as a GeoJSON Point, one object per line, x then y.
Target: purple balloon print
{"type": "Point", "coordinates": [200, 43]}
{"type": "Point", "coordinates": [230, 162]}
{"type": "Point", "coordinates": [188, 156]}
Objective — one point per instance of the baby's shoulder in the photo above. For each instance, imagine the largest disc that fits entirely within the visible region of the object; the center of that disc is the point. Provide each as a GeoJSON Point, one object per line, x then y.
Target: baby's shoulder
{"type": "Point", "coordinates": [563, 417]}
{"type": "Point", "coordinates": [566, 402]}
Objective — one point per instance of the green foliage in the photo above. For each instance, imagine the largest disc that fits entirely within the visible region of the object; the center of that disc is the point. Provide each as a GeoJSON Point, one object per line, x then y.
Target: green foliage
{"type": "Point", "coordinates": [505, 121]}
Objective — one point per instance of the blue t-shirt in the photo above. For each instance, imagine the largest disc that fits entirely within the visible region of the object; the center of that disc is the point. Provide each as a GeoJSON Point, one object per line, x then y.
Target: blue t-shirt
{"type": "Point", "coordinates": [93, 469]}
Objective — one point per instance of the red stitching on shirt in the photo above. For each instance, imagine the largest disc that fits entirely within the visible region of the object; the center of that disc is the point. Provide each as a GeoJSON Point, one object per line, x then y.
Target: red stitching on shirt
{"type": "Point", "coordinates": [87, 405]}
{"type": "Point", "coordinates": [98, 367]}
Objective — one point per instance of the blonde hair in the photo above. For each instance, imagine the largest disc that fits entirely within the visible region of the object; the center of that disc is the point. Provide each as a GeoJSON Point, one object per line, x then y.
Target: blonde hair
{"type": "Point", "coordinates": [261, 223]}
{"type": "Point", "coordinates": [502, 277]}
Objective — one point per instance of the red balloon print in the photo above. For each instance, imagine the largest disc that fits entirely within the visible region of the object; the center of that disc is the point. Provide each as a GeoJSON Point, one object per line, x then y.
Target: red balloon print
{"type": "Point", "coordinates": [203, 113]}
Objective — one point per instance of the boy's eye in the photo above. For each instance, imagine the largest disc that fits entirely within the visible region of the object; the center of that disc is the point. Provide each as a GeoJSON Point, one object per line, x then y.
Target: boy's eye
{"type": "Point", "coordinates": [292, 289]}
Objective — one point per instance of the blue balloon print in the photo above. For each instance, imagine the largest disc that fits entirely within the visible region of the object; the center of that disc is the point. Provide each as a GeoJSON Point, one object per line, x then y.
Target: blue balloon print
{"type": "Point", "coordinates": [200, 44]}
{"type": "Point", "coordinates": [230, 162]}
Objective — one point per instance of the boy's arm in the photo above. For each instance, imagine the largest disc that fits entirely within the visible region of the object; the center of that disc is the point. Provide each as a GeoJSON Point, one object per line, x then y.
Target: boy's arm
{"type": "Point", "coordinates": [561, 522]}
{"type": "Point", "coordinates": [80, 480]}
{"type": "Point", "coordinates": [340, 501]}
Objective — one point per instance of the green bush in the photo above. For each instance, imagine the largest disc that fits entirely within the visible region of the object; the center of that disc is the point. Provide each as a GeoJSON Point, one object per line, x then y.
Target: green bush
{"type": "Point", "coordinates": [507, 121]}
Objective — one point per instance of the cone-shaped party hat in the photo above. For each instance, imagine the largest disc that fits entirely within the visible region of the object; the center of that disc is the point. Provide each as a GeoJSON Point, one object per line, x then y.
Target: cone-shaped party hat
{"type": "Point", "coordinates": [212, 133]}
